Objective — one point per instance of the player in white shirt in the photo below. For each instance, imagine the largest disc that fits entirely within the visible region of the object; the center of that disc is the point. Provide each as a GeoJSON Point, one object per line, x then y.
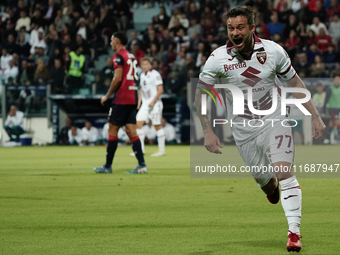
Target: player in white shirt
{"type": "Point", "coordinates": [247, 61]}
{"type": "Point", "coordinates": [150, 105]}
{"type": "Point", "coordinates": [90, 134]}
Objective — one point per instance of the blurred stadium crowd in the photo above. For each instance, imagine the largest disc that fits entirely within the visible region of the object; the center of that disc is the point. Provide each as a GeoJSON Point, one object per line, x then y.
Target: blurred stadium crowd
{"type": "Point", "coordinates": [58, 42]}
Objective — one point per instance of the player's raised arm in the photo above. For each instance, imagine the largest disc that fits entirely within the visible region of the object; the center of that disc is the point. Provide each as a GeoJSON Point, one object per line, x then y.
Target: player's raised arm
{"type": "Point", "coordinates": [208, 75]}
{"type": "Point", "coordinates": [317, 126]}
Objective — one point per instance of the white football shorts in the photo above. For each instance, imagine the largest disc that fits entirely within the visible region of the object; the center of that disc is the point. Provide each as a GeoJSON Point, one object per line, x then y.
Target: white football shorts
{"type": "Point", "coordinates": [275, 144]}
{"type": "Point", "coordinates": [154, 114]}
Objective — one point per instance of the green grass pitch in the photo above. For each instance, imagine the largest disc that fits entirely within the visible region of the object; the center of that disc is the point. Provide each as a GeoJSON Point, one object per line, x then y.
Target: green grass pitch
{"type": "Point", "coordinates": [51, 202]}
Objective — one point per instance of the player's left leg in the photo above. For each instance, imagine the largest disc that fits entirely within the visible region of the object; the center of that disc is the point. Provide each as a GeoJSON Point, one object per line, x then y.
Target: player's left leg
{"type": "Point", "coordinates": [137, 148]}
{"type": "Point", "coordinates": [291, 199]}
{"type": "Point", "coordinates": [110, 150]}
{"type": "Point", "coordinates": [161, 141]}
{"type": "Point", "coordinates": [156, 119]}
{"type": "Point", "coordinates": [280, 151]}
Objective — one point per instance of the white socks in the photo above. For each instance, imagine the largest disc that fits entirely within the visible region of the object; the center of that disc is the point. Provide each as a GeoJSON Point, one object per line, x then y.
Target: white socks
{"type": "Point", "coordinates": [161, 140]}
{"type": "Point", "coordinates": [291, 203]}
{"type": "Point", "coordinates": [141, 135]}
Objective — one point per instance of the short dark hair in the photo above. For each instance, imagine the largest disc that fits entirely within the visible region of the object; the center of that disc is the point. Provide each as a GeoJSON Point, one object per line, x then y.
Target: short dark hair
{"type": "Point", "coordinates": [122, 37]}
{"type": "Point", "coordinates": [245, 11]}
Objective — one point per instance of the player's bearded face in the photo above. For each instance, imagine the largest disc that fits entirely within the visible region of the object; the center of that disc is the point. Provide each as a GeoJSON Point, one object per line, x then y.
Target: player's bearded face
{"type": "Point", "coordinates": [240, 34]}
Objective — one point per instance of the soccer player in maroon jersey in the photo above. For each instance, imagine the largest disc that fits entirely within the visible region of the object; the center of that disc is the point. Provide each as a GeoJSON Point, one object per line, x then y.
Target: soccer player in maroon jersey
{"type": "Point", "coordinates": [124, 105]}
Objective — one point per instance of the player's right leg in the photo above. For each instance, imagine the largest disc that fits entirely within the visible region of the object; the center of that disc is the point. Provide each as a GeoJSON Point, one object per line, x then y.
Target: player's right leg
{"type": "Point", "coordinates": [130, 129]}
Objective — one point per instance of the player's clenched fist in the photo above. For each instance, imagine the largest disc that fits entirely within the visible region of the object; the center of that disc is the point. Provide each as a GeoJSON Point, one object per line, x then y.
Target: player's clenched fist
{"type": "Point", "coordinates": [211, 142]}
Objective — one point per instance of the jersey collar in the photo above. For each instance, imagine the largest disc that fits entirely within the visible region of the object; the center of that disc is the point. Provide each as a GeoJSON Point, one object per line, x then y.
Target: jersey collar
{"type": "Point", "coordinates": [258, 46]}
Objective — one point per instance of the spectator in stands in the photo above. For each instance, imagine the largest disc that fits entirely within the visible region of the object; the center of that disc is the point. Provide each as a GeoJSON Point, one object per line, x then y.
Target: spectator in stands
{"type": "Point", "coordinates": [90, 134]}
{"type": "Point", "coordinates": [26, 73]}
{"type": "Point", "coordinates": [4, 59]}
{"type": "Point", "coordinates": [284, 12]}
{"type": "Point", "coordinates": [334, 9]}
{"type": "Point", "coordinates": [51, 12]}
{"type": "Point", "coordinates": [194, 28]}
{"type": "Point", "coordinates": [22, 48]}
{"type": "Point", "coordinates": [37, 18]}
{"type": "Point", "coordinates": [39, 43]}
{"type": "Point", "coordinates": [137, 52]}
{"type": "Point", "coordinates": [23, 21]}
{"type": "Point", "coordinates": [41, 73]}
{"type": "Point", "coordinates": [332, 99]}
{"type": "Point", "coordinates": [181, 40]}
{"type": "Point", "coordinates": [162, 19]}
{"type": "Point", "coordinates": [176, 15]}
{"type": "Point", "coordinates": [332, 103]}
{"type": "Point", "coordinates": [10, 44]}
{"type": "Point", "coordinates": [319, 97]}
{"type": "Point", "coordinates": [57, 78]}
{"type": "Point", "coordinates": [104, 77]}
{"type": "Point", "coordinates": [154, 53]}
{"type": "Point", "coordinates": [323, 40]}
{"type": "Point", "coordinates": [14, 124]}
{"type": "Point", "coordinates": [315, 27]}
{"type": "Point", "coordinates": [106, 25]}
{"type": "Point", "coordinates": [9, 29]}
{"type": "Point", "coordinates": [134, 39]}
{"type": "Point", "coordinates": [208, 14]}
{"type": "Point", "coordinates": [151, 39]}
{"type": "Point", "coordinates": [63, 134]}
{"type": "Point", "coordinates": [60, 20]}
{"type": "Point", "coordinates": [274, 27]}
{"type": "Point", "coordinates": [156, 65]}
{"type": "Point", "coordinates": [81, 43]}
{"type": "Point", "coordinates": [334, 29]}
{"type": "Point", "coordinates": [261, 29]}
{"type": "Point", "coordinates": [52, 40]}
{"type": "Point", "coordinates": [75, 70]}
{"type": "Point", "coordinates": [169, 132]}
{"type": "Point", "coordinates": [193, 13]}
{"type": "Point", "coordinates": [302, 65]}
{"type": "Point", "coordinates": [24, 32]}
{"type": "Point", "coordinates": [312, 52]}
{"type": "Point", "coordinates": [330, 57]}
{"type": "Point", "coordinates": [292, 25]}
{"type": "Point", "coordinates": [166, 41]}
{"type": "Point", "coordinates": [121, 12]}
{"type": "Point", "coordinates": [320, 12]}
{"type": "Point", "coordinates": [318, 68]}
{"type": "Point", "coordinates": [11, 71]}
{"type": "Point", "coordinates": [75, 136]}
{"type": "Point", "coordinates": [201, 52]}
{"type": "Point", "coordinates": [39, 53]}
{"type": "Point", "coordinates": [292, 44]}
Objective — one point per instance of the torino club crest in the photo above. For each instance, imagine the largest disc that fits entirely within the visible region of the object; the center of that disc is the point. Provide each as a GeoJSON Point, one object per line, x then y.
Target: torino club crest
{"type": "Point", "coordinates": [261, 57]}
